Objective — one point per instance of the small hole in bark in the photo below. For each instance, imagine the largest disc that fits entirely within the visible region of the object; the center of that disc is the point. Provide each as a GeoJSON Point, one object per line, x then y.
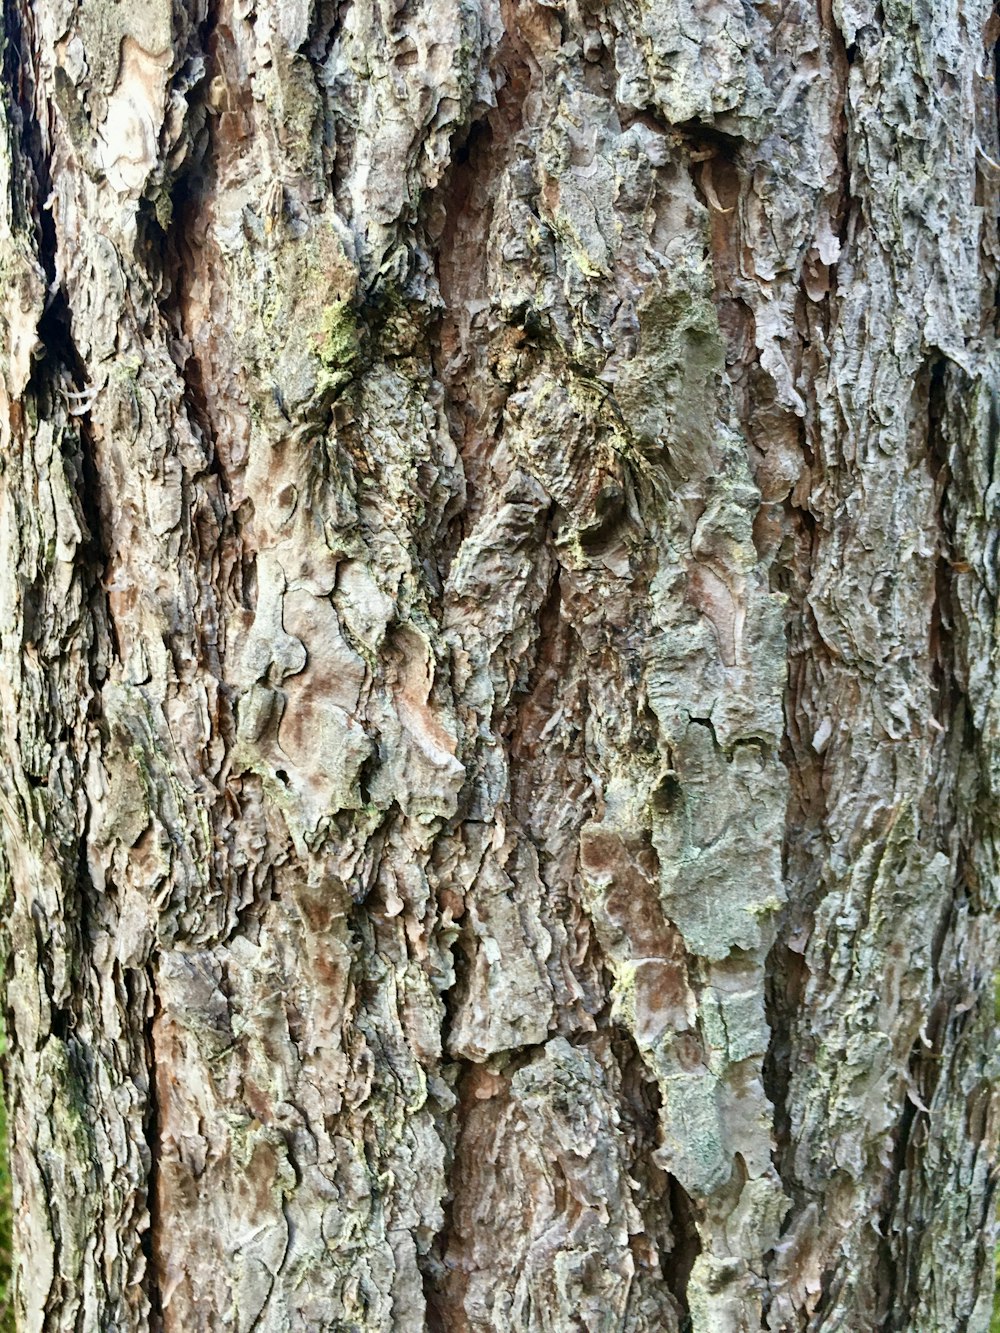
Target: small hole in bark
{"type": "Point", "coordinates": [667, 795]}
{"type": "Point", "coordinates": [249, 588]}
{"type": "Point", "coordinates": [609, 514]}
{"type": "Point", "coordinates": [281, 775]}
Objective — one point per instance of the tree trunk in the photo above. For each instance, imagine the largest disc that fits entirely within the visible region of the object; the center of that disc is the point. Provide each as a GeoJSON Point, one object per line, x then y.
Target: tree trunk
{"type": "Point", "coordinates": [498, 610]}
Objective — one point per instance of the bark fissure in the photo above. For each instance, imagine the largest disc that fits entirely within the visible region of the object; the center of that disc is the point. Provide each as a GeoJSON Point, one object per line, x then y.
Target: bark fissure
{"type": "Point", "coordinates": [156, 1240]}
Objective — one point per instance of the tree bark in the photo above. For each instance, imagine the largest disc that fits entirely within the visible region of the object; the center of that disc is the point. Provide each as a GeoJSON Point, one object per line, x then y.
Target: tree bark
{"type": "Point", "coordinates": [498, 602]}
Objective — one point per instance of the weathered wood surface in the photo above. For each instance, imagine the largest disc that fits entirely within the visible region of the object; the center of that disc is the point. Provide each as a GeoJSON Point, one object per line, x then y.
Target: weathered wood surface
{"type": "Point", "coordinates": [498, 593]}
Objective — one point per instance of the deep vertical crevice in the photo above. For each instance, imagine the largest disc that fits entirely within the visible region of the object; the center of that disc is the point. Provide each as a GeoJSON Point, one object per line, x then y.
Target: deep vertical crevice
{"type": "Point", "coordinates": [152, 1237]}
{"type": "Point", "coordinates": [668, 1212]}
{"type": "Point", "coordinates": [457, 217]}
{"type": "Point", "coordinates": [458, 348]}
{"type": "Point", "coordinates": [901, 1246]}
{"type": "Point", "coordinates": [678, 1265]}
{"type": "Point", "coordinates": [30, 187]}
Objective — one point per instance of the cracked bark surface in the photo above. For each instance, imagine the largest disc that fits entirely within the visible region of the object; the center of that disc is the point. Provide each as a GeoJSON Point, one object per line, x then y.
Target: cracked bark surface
{"type": "Point", "coordinates": [498, 603]}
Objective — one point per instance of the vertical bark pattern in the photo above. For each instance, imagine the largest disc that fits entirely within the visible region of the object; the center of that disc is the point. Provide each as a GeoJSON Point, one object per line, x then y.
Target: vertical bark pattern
{"type": "Point", "coordinates": [497, 626]}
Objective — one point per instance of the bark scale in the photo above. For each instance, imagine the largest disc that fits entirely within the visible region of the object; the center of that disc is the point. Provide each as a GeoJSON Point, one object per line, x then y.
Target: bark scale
{"type": "Point", "coordinates": [497, 645]}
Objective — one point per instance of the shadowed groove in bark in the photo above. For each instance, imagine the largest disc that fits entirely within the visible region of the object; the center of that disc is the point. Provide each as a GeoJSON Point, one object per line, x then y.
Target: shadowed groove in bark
{"type": "Point", "coordinates": [686, 1248]}
{"type": "Point", "coordinates": [942, 384]}
{"type": "Point", "coordinates": [30, 167]}
{"type": "Point", "coordinates": [58, 383]}
{"type": "Point", "coordinates": [155, 1238]}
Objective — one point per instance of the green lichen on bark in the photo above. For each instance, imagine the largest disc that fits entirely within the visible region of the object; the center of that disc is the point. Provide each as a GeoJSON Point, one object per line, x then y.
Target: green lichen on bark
{"type": "Point", "coordinates": [339, 345]}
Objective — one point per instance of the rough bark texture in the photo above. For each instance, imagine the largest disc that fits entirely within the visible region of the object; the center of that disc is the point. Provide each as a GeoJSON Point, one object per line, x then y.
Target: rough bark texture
{"type": "Point", "coordinates": [500, 764]}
